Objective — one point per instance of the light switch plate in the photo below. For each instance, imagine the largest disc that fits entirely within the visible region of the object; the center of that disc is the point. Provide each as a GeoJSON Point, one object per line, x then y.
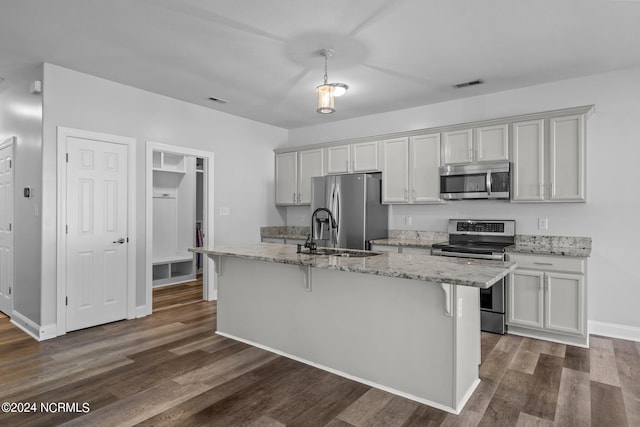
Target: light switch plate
{"type": "Point", "coordinates": [543, 224]}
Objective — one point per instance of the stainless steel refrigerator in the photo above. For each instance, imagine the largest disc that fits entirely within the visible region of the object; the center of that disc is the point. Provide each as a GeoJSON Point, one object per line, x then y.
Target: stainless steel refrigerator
{"type": "Point", "coordinates": [356, 205]}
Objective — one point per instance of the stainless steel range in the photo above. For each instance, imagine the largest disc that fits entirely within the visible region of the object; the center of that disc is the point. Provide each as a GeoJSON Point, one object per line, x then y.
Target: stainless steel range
{"type": "Point", "coordinates": [482, 239]}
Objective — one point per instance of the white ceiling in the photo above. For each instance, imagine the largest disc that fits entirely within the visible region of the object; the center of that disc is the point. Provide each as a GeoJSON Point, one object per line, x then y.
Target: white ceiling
{"type": "Point", "coordinates": [262, 55]}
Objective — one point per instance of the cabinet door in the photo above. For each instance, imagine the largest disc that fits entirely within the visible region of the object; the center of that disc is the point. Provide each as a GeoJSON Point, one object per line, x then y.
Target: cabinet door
{"type": "Point", "coordinates": [364, 157]}
{"type": "Point", "coordinates": [395, 173]}
{"type": "Point", "coordinates": [309, 165]}
{"type": "Point", "coordinates": [567, 158]}
{"type": "Point", "coordinates": [286, 178]}
{"type": "Point", "coordinates": [564, 302]}
{"type": "Point", "coordinates": [528, 161]}
{"type": "Point", "coordinates": [339, 159]}
{"type": "Point", "coordinates": [424, 174]}
{"type": "Point", "coordinates": [492, 143]}
{"type": "Point", "coordinates": [525, 299]}
{"type": "Point", "coordinates": [457, 146]}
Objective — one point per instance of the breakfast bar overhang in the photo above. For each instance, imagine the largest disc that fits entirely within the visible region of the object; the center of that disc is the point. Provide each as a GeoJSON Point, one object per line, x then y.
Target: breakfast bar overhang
{"type": "Point", "coordinates": [408, 324]}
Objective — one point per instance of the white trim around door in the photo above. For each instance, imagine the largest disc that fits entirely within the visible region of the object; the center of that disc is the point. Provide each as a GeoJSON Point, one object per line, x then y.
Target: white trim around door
{"type": "Point", "coordinates": [7, 250]}
{"type": "Point", "coordinates": [209, 283]}
{"type": "Point", "coordinates": [63, 134]}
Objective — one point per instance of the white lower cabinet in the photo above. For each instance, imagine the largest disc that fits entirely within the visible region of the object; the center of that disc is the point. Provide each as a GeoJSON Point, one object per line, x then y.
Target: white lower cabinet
{"type": "Point", "coordinates": [546, 298]}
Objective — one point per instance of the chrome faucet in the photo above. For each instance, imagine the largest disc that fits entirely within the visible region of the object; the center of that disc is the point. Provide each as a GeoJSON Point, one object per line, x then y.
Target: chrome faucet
{"type": "Point", "coordinates": [310, 243]}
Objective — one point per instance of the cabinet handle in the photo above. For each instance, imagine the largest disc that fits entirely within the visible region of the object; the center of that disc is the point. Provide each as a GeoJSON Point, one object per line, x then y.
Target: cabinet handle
{"type": "Point", "coordinates": [347, 165]}
{"type": "Point", "coordinates": [413, 192]}
{"type": "Point", "coordinates": [294, 197]}
{"type": "Point", "coordinates": [542, 189]}
{"type": "Point", "coordinates": [543, 263]}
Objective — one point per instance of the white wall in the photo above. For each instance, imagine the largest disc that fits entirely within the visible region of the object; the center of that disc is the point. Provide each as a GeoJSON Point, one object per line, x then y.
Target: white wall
{"type": "Point", "coordinates": [243, 170]}
{"type": "Point", "coordinates": [21, 116]}
{"type": "Point", "coordinates": [613, 155]}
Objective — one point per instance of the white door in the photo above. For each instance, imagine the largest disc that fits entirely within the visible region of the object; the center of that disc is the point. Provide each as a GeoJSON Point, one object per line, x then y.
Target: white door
{"type": "Point", "coordinates": [96, 206]}
{"type": "Point", "coordinates": [6, 227]}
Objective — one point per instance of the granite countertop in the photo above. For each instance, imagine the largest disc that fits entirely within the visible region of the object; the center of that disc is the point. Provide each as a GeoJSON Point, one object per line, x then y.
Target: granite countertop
{"type": "Point", "coordinates": [524, 243]}
{"type": "Point", "coordinates": [552, 245]}
{"type": "Point", "coordinates": [454, 271]}
{"type": "Point", "coordinates": [285, 232]}
{"type": "Point", "coordinates": [420, 239]}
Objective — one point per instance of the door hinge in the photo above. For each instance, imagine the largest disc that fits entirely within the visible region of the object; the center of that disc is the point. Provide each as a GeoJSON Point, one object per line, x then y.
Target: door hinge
{"type": "Point", "coordinates": [10, 163]}
{"type": "Point", "coordinates": [9, 226]}
{"type": "Point", "coordinates": [67, 157]}
{"type": "Point", "coordinates": [9, 290]}
{"type": "Point", "coordinates": [127, 240]}
{"type": "Point", "coordinates": [66, 229]}
{"type": "Point", "coordinates": [66, 300]}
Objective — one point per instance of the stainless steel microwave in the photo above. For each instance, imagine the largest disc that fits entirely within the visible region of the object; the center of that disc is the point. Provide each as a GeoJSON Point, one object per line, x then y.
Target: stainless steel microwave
{"type": "Point", "coordinates": [476, 181]}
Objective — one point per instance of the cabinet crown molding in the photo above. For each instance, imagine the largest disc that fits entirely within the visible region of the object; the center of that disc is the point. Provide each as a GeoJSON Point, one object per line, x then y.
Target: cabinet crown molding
{"type": "Point", "coordinates": [588, 110]}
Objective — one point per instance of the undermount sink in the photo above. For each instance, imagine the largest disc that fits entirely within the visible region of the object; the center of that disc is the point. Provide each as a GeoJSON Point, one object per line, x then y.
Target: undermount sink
{"type": "Point", "coordinates": [346, 253]}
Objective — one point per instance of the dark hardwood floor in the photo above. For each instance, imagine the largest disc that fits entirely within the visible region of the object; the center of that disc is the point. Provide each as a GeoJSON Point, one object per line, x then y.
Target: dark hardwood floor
{"type": "Point", "coordinates": [171, 369]}
{"type": "Point", "coordinates": [168, 297]}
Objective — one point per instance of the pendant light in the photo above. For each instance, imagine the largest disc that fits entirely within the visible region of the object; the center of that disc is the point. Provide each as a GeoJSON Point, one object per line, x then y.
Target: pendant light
{"type": "Point", "coordinates": [327, 91]}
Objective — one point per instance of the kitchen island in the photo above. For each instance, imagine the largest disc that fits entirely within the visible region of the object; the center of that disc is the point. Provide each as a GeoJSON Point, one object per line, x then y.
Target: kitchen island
{"type": "Point", "coordinates": [408, 324]}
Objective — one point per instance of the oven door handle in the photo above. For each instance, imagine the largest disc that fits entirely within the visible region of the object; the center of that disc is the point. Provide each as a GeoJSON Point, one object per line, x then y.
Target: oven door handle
{"type": "Point", "coordinates": [493, 257]}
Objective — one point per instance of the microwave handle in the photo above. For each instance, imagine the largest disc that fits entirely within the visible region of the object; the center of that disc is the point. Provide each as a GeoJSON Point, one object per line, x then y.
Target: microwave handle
{"type": "Point", "coordinates": [488, 183]}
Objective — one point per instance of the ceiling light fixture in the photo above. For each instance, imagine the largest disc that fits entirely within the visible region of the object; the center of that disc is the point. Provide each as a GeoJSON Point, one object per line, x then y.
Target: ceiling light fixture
{"type": "Point", "coordinates": [327, 91]}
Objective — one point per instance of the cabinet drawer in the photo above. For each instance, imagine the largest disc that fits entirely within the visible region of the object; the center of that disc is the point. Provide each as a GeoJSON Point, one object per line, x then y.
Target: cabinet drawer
{"type": "Point", "coordinates": [549, 262]}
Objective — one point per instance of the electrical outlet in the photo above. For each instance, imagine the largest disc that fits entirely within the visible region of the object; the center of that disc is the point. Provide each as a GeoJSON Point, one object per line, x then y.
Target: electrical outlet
{"type": "Point", "coordinates": [407, 220]}
{"type": "Point", "coordinates": [543, 224]}
{"type": "Point", "coordinates": [225, 211]}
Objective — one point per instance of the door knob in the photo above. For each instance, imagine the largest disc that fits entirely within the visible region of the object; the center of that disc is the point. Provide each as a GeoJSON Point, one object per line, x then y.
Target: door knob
{"type": "Point", "coordinates": [120, 240]}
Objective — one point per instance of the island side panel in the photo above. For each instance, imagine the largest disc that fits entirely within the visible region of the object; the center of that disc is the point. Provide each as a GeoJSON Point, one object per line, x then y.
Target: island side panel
{"type": "Point", "coordinates": [468, 342]}
{"type": "Point", "coordinates": [388, 331]}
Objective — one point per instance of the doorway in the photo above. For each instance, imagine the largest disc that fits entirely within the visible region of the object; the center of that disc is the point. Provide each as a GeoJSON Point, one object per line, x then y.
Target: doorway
{"type": "Point", "coordinates": [179, 216]}
{"type": "Point", "coordinates": [6, 225]}
{"type": "Point", "coordinates": [96, 229]}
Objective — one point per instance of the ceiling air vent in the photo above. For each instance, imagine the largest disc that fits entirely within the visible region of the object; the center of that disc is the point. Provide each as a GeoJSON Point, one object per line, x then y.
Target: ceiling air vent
{"type": "Point", "coordinates": [218, 100]}
{"type": "Point", "coordinates": [467, 84]}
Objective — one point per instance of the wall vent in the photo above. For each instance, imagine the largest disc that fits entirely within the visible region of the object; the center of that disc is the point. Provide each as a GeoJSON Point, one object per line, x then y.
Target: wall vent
{"type": "Point", "coordinates": [467, 84]}
{"type": "Point", "coordinates": [218, 100]}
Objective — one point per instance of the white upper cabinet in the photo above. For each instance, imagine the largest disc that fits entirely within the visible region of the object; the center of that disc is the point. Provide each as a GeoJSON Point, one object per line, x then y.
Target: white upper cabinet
{"type": "Point", "coordinates": [457, 146]}
{"type": "Point", "coordinates": [286, 178]}
{"type": "Point", "coordinates": [360, 157]}
{"type": "Point", "coordinates": [395, 170]}
{"type": "Point", "coordinates": [309, 165]}
{"type": "Point", "coordinates": [492, 143]}
{"type": "Point", "coordinates": [482, 144]}
{"type": "Point", "coordinates": [294, 171]}
{"type": "Point", "coordinates": [339, 159]}
{"type": "Point", "coordinates": [567, 158]}
{"type": "Point", "coordinates": [364, 157]}
{"type": "Point", "coordinates": [410, 169]}
{"type": "Point", "coordinates": [549, 160]}
{"type": "Point", "coordinates": [528, 161]}
{"type": "Point", "coordinates": [424, 169]}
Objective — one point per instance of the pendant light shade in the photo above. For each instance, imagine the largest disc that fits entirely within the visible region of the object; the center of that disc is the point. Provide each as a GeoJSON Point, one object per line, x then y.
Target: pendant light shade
{"type": "Point", "coordinates": [327, 91]}
{"type": "Point", "coordinates": [325, 99]}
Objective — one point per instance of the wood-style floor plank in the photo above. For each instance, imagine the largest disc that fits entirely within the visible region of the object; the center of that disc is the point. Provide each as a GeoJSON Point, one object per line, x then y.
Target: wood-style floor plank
{"type": "Point", "coordinates": [171, 368]}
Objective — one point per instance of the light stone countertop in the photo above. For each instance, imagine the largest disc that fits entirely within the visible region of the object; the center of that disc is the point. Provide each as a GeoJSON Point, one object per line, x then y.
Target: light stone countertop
{"type": "Point", "coordinates": [552, 245]}
{"type": "Point", "coordinates": [454, 271]}
{"type": "Point", "coordinates": [285, 232]}
{"type": "Point", "coordinates": [419, 243]}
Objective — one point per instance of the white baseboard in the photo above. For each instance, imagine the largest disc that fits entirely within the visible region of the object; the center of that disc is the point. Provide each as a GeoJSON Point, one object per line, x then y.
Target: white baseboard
{"type": "Point", "coordinates": [614, 330]}
{"type": "Point", "coordinates": [141, 311]}
{"type": "Point", "coordinates": [34, 330]}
